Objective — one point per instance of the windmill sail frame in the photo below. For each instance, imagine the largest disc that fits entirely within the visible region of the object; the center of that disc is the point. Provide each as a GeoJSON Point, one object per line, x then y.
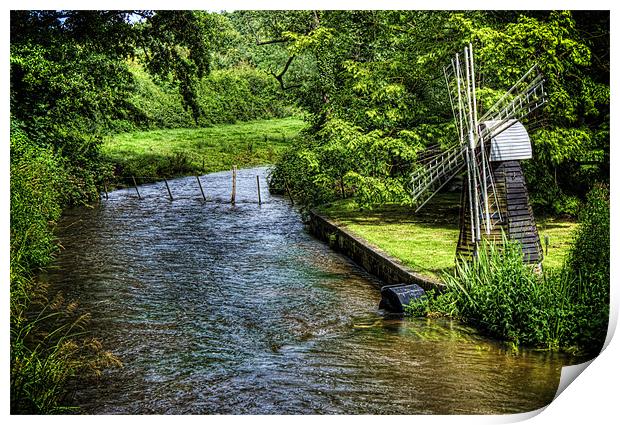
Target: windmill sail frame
{"type": "Point", "coordinates": [479, 140]}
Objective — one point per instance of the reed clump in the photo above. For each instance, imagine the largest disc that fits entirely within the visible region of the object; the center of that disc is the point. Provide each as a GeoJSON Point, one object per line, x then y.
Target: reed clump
{"type": "Point", "coordinates": [49, 347]}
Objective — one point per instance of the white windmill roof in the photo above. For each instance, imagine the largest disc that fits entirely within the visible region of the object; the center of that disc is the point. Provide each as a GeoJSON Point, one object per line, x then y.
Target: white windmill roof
{"type": "Point", "coordinates": [512, 143]}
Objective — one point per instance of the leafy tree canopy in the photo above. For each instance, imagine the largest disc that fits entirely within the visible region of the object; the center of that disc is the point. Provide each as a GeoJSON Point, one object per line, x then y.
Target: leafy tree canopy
{"type": "Point", "coordinates": [69, 66]}
{"type": "Point", "coordinates": [380, 73]}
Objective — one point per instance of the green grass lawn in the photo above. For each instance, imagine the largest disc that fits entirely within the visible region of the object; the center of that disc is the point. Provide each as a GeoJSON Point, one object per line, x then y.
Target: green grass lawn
{"type": "Point", "coordinates": [560, 232]}
{"type": "Point", "coordinates": [426, 241]}
{"type": "Point", "coordinates": [174, 152]}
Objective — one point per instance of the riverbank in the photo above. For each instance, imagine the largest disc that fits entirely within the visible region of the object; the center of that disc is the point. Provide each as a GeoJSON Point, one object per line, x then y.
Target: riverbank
{"type": "Point", "coordinates": [45, 349]}
{"type": "Point", "coordinates": [561, 309]}
{"type": "Point", "coordinates": [152, 155]}
{"type": "Point", "coordinates": [375, 261]}
{"type": "Point", "coordinates": [425, 242]}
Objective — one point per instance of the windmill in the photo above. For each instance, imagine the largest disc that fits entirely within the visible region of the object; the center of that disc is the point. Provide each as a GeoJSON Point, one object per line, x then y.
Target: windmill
{"type": "Point", "coordinates": [494, 196]}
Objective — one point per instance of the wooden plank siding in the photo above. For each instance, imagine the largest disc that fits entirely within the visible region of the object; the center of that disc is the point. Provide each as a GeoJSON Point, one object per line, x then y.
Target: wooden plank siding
{"type": "Point", "coordinates": [518, 218]}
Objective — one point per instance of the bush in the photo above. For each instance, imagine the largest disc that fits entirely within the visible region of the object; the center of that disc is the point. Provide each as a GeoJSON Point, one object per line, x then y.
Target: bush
{"type": "Point", "coordinates": [154, 105]}
{"type": "Point", "coordinates": [589, 254]}
{"type": "Point", "coordinates": [224, 97]}
{"type": "Point", "coordinates": [297, 171]}
{"type": "Point", "coordinates": [240, 94]}
{"type": "Point", "coordinates": [589, 259]}
{"type": "Point", "coordinates": [38, 180]}
{"type": "Point", "coordinates": [46, 349]}
{"type": "Point", "coordinates": [341, 160]}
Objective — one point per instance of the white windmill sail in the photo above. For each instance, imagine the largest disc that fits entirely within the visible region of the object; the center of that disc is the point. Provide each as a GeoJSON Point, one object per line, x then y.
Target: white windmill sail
{"type": "Point", "coordinates": [523, 98]}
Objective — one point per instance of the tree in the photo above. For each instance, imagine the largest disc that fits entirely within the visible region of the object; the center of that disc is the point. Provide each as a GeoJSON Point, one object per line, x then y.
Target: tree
{"type": "Point", "coordinates": [72, 63]}
{"type": "Point", "coordinates": [70, 76]}
{"type": "Point", "coordinates": [381, 72]}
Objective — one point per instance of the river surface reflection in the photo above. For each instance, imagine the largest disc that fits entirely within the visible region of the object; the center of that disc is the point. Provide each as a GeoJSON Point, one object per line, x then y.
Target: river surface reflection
{"type": "Point", "coordinates": [214, 308]}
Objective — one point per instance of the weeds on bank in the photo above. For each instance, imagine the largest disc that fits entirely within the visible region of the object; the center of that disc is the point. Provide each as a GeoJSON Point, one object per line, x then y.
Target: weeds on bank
{"type": "Point", "coordinates": [49, 347]}
{"type": "Point", "coordinates": [565, 308]}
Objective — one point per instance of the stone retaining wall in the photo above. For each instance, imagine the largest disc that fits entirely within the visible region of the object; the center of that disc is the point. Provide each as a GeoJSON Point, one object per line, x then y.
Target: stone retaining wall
{"type": "Point", "coordinates": [372, 259]}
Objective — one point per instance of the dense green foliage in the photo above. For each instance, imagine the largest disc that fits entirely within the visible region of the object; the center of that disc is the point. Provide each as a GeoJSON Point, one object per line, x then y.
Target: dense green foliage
{"type": "Point", "coordinates": [566, 308]}
{"type": "Point", "coordinates": [37, 182]}
{"type": "Point", "coordinates": [502, 297]}
{"type": "Point", "coordinates": [589, 259]}
{"type": "Point", "coordinates": [378, 97]}
{"type": "Point", "coordinates": [223, 96]}
{"type": "Point", "coordinates": [369, 83]}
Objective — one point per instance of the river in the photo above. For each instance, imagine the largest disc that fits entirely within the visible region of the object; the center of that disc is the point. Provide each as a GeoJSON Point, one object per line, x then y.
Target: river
{"type": "Point", "coordinates": [214, 308]}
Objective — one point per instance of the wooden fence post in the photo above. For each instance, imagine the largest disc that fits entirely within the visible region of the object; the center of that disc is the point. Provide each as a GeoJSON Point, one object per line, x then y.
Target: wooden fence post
{"type": "Point", "coordinates": [234, 184]}
{"type": "Point", "coordinates": [204, 198]}
{"type": "Point", "coordinates": [136, 186]}
{"type": "Point", "coordinates": [168, 187]}
{"type": "Point", "coordinates": [258, 189]}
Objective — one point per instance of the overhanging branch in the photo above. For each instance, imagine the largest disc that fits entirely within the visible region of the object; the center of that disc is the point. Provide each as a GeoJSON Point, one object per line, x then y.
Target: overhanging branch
{"type": "Point", "coordinates": [280, 76]}
{"type": "Point", "coordinates": [277, 40]}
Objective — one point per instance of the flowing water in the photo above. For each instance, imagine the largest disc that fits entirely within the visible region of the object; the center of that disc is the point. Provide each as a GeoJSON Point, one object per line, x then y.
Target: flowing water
{"type": "Point", "coordinates": [214, 308]}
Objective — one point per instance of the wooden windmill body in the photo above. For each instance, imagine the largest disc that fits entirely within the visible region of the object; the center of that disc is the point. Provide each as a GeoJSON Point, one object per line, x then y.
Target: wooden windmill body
{"type": "Point", "coordinates": [514, 216]}
{"type": "Point", "coordinates": [494, 197]}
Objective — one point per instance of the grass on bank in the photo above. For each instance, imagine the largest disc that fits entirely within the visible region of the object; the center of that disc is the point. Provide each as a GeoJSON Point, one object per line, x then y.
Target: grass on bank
{"type": "Point", "coordinates": [174, 152]}
{"type": "Point", "coordinates": [426, 241]}
{"type": "Point", "coordinates": [564, 308]}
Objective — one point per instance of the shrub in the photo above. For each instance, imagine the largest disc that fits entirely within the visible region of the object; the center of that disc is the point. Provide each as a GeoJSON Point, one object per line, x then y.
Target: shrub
{"type": "Point", "coordinates": [38, 180]}
{"type": "Point", "coordinates": [154, 104]}
{"type": "Point", "coordinates": [240, 94]}
{"type": "Point", "coordinates": [589, 254]}
{"type": "Point", "coordinates": [341, 160]}
{"type": "Point", "coordinates": [589, 259]}
{"type": "Point", "coordinates": [46, 347]}
{"type": "Point", "coordinates": [224, 97]}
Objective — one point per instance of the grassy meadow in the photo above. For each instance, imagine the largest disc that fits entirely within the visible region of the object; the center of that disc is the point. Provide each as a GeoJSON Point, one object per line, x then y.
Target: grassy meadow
{"type": "Point", "coordinates": [174, 152]}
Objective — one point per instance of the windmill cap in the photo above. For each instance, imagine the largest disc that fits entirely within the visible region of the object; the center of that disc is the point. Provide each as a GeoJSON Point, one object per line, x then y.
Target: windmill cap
{"type": "Point", "coordinates": [509, 140]}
